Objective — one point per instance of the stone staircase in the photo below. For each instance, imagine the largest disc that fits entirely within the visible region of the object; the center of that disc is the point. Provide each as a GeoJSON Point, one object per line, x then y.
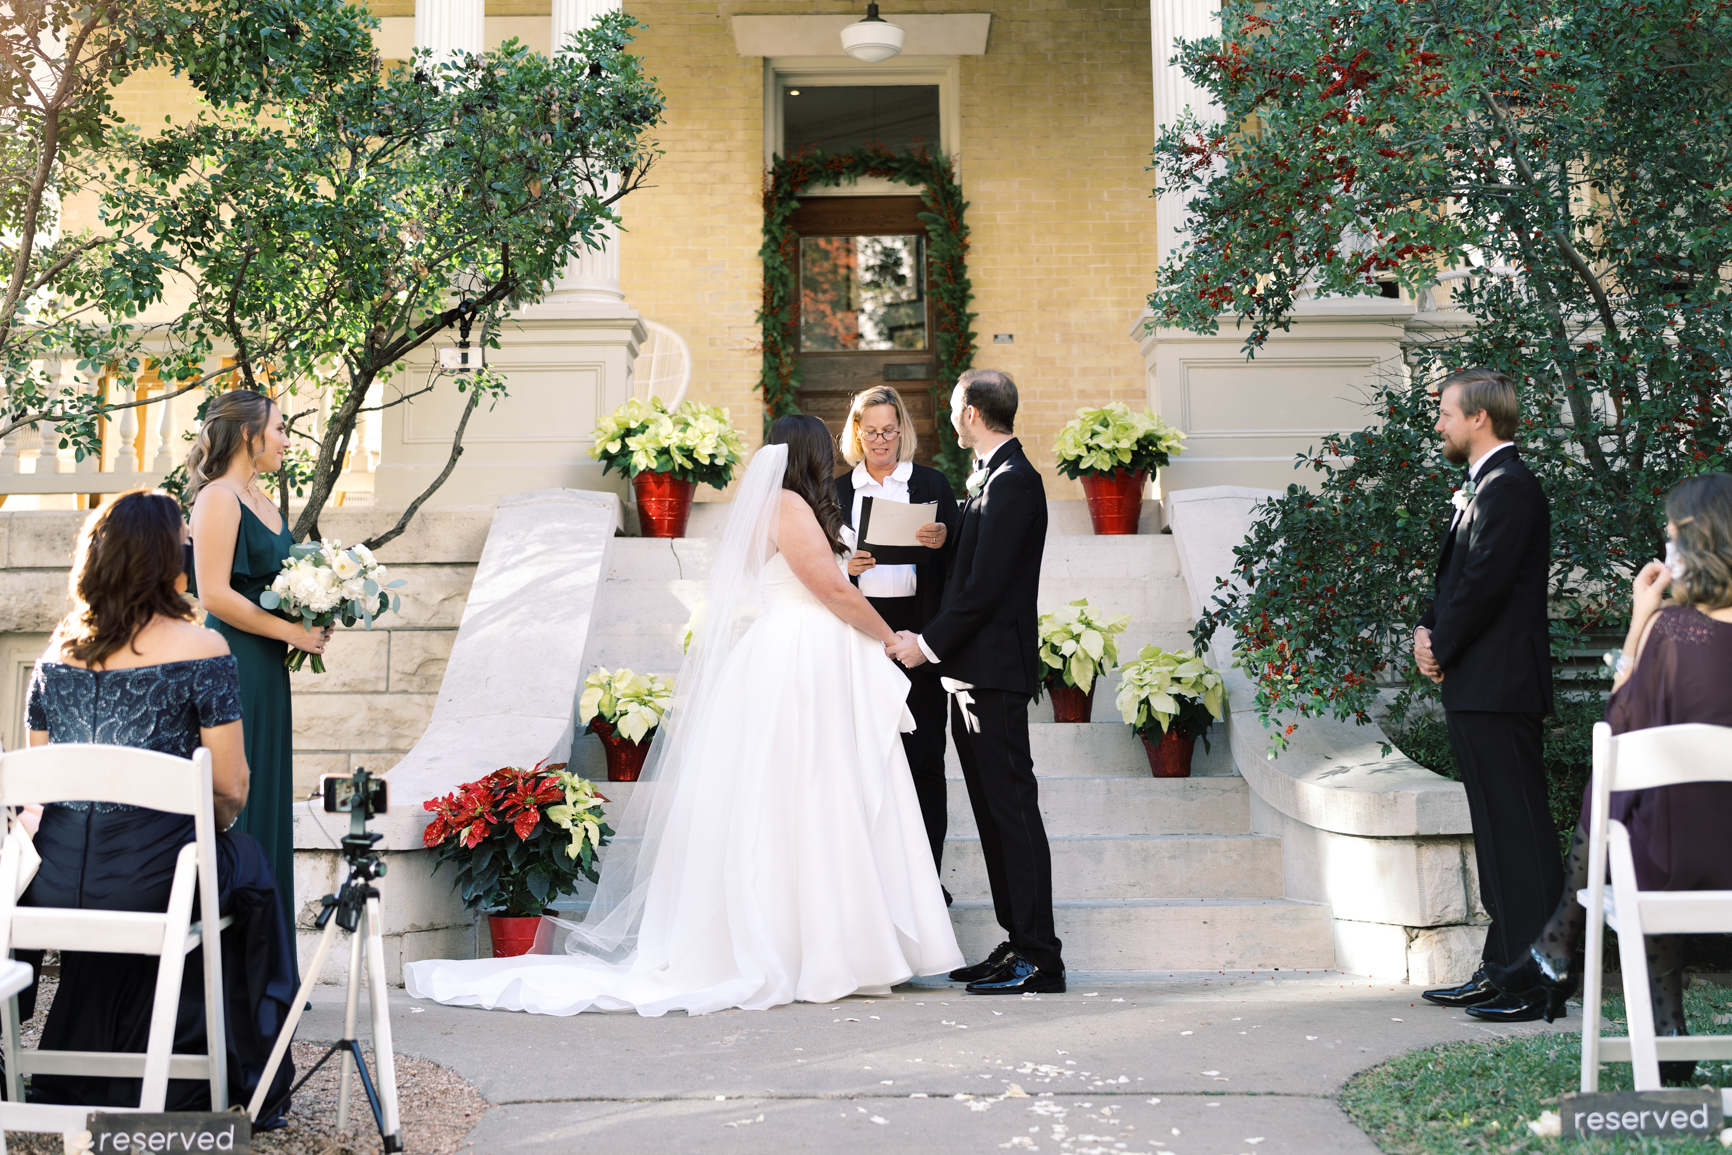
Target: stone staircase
{"type": "Point", "coordinates": [1149, 875]}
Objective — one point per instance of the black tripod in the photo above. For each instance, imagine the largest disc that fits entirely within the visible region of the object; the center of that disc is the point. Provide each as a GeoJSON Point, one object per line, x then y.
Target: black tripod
{"type": "Point", "coordinates": [354, 908]}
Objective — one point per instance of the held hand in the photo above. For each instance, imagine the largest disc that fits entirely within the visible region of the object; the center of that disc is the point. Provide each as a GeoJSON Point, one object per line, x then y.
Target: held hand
{"type": "Point", "coordinates": [931, 536]}
{"type": "Point", "coordinates": [860, 563]}
{"type": "Point", "coordinates": [1648, 590]}
{"type": "Point", "coordinates": [906, 650]}
{"type": "Point", "coordinates": [1423, 656]}
{"type": "Point", "coordinates": [312, 641]}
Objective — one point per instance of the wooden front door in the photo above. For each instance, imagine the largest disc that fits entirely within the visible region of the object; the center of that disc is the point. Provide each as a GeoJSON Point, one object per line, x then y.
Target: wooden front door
{"type": "Point", "coordinates": [865, 317]}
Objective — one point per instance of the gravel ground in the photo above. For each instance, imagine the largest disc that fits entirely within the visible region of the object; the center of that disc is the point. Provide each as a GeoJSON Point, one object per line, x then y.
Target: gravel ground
{"type": "Point", "coordinates": [438, 1107]}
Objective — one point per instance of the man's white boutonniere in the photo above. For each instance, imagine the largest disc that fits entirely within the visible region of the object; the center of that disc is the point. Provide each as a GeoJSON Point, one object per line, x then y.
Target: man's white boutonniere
{"type": "Point", "coordinates": [977, 481]}
{"type": "Point", "coordinates": [1462, 496]}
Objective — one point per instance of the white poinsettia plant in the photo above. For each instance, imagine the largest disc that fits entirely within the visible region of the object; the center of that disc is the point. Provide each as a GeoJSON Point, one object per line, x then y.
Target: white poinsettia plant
{"type": "Point", "coordinates": [322, 583]}
{"type": "Point", "coordinates": [633, 704]}
{"type": "Point", "coordinates": [1115, 437]}
{"type": "Point", "coordinates": [1166, 692]}
{"type": "Point", "coordinates": [692, 442]}
{"type": "Point", "coordinates": [1077, 644]}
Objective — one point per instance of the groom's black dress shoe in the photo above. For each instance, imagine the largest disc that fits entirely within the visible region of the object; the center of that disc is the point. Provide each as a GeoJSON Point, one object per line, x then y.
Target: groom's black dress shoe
{"type": "Point", "coordinates": [1517, 1009]}
{"type": "Point", "coordinates": [1019, 976]}
{"type": "Point", "coordinates": [992, 964]}
{"type": "Point", "coordinates": [1472, 993]}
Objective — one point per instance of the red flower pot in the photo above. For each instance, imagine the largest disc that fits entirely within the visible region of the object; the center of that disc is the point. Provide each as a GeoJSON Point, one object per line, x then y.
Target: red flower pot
{"type": "Point", "coordinates": [1070, 704]}
{"type": "Point", "coordinates": [664, 503]}
{"type": "Point", "coordinates": [624, 757]}
{"type": "Point", "coordinates": [1171, 756]}
{"type": "Point", "coordinates": [513, 935]}
{"type": "Point", "coordinates": [1115, 500]}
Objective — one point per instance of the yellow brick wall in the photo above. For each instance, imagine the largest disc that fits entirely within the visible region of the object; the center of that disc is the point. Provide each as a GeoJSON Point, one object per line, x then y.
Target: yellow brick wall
{"type": "Point", "coordinates": [1056, 126]}
{"type": "Point", "coordinates": [1057, 121]}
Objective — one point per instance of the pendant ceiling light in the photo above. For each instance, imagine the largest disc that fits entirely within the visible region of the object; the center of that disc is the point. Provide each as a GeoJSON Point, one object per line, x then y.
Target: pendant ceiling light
{"type": "Point", "coordinates": [872, 39]}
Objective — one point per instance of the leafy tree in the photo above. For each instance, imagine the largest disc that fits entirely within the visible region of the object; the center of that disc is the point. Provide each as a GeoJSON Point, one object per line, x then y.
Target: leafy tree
{"type": "Point", "coordinates": [70, 295]}
{"type": "Point", "coordinates": [362, 222]}
{"type": "Point", "coordinates": [1568, 165]}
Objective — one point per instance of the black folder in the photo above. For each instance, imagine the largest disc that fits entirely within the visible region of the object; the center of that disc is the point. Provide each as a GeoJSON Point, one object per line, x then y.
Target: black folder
{"type": "Point", "coordinates": [887, 554]}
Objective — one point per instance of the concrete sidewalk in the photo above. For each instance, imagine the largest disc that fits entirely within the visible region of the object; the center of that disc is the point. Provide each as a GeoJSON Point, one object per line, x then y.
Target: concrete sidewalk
{"type": "Point", "coordinates": [1226, 1064]}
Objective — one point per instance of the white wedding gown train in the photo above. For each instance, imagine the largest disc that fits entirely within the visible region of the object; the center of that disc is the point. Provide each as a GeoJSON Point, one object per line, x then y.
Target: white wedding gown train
{"type": "Point", "coordinates": [794, 863]}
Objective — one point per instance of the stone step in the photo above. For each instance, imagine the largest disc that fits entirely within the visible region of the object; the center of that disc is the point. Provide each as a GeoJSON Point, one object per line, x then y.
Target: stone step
{"type": "Point", "coordinates": [1131, 806]}
{"type": "Point", "coordinates": [1170, 934]}
{"type": "Point", "coordinates": [1118, 868]}
{"type": "Point", "coordinates": [1099, 749]}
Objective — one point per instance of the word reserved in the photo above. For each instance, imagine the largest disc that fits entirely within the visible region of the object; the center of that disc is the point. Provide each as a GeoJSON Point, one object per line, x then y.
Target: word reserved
{"type": "Point", "coordinates": [136, 1133]}
{"type": "Point", "coordinates": [1687, 1112]}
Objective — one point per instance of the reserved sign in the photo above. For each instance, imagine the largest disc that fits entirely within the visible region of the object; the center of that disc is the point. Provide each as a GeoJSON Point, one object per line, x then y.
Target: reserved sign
{"type": "Point", "coordinates": [134, 1133]}
{"type": "Point", "coordinates": [1685, 1112]}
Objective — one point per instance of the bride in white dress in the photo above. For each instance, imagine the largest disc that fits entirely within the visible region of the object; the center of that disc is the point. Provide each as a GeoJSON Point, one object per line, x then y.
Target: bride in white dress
{"type": "Point", "coordinates": [773, 850]}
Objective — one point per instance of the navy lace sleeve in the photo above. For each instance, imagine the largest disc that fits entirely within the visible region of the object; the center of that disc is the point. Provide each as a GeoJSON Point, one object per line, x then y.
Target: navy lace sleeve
{"type": "Point", "coordinates": [35, 710]}
{"type": "Point", "coordinates": [216, 691]}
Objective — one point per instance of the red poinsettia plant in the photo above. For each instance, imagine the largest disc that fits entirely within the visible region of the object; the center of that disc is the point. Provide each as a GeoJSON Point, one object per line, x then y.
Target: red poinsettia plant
{"type": "Point", "coordinates": [518, 838]}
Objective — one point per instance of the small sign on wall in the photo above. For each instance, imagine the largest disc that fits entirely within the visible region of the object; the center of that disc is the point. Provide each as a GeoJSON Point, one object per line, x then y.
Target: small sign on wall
{"type": "Point", "coordinates": [1004, 338]}
{"type": "Point", "coordinates": [137, 1133]}
{"type": "Point", "coordinates": [1684, 1112]}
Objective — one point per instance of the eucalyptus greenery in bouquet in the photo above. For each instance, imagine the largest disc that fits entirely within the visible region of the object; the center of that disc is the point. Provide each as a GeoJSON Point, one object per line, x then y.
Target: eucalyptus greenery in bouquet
{"type": "Point", "coordinates": [1076, 646]}
{"type": "Point", "coordinates": [696, 443]}
{"type": "Point", "coordinates": [631, 703]}
{"type": "Point", "coordinates": [1164, 692]}
{"type": "Point", "coordinates": [518, 838]}
{"type": "Point", "coordinates": [1113, 437]}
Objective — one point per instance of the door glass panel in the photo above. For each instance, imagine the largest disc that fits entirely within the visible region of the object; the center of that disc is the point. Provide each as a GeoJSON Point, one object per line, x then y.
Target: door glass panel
{"type": "Point", "coordinates": [862, 293]}
{"type": "Point", "coordinates": [841, 118]}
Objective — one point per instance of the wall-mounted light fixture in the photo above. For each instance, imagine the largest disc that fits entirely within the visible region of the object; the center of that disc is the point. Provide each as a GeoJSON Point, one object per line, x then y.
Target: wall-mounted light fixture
{"type": "Point", "coordinates": [462, 358]}
{"type": "Point", "coordinates": [872, 39]}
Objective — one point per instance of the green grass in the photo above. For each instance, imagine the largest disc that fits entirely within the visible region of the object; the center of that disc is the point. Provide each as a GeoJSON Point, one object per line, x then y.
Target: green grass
{"type": "Point", "coordinates": [1479, 1096]}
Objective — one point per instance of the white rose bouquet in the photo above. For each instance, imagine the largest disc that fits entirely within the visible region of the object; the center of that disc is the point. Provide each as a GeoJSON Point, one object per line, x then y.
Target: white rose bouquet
{"type": "Point", "coordinates": [322, 583]}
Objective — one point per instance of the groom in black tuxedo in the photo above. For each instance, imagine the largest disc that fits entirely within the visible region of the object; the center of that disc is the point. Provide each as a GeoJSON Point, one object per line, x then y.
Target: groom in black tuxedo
{"type": "Point", "coordinates": [984, 644]}
{"type": "Point", "coordinates": [1485, 639]}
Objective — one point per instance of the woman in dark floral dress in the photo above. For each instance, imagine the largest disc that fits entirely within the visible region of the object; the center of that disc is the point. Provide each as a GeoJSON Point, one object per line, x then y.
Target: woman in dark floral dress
{"type": "Point", "coordinates": [127, 667]}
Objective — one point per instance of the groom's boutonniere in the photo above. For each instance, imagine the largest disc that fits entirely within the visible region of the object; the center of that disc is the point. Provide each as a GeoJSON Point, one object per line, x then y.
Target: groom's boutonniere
{"type": "Point", "coordinates": [977, 481]}
{"type": "Point", "coordinates": [1462, 496]}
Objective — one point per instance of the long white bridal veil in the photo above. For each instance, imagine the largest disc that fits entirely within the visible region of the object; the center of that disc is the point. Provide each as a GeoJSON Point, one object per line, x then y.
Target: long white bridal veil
{"type": "Point", "coordinates": [732, 602]}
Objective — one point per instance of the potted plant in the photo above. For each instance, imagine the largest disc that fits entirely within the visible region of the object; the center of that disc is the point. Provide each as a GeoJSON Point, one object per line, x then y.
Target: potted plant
{"type": "Point", "coordinates": [1076, 647]}
{"type": "Point", "coordinates": [623, 709]}
{"type": "Point", "coordinates": [519, 839]}
{"type": "Point", "coordinates": [666, 454]}
{"type": "Point", "coordinates": [1112, 451]}
{"type": "Point", "coordinates": [1170, 700]}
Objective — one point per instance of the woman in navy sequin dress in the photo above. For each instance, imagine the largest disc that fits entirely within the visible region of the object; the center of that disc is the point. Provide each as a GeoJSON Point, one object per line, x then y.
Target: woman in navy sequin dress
{"type": "Point", "coordinates": [128, 667]}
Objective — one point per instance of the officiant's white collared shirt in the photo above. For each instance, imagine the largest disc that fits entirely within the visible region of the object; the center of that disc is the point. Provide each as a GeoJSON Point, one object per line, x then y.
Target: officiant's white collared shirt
{"type": "Point", "coordinates": [1473, 475]}
{"type": "Point", "coordinates": [885, 581]}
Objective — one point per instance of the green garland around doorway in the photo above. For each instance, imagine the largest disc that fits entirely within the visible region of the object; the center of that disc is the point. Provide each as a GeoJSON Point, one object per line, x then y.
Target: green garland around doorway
{"type": "Point", "coordinates": [946, 272]}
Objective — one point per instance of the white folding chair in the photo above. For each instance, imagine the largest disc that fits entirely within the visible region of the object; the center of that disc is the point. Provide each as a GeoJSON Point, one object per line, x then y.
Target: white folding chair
{"type": "Point", "coordinates": [74, 772]}
{"type": "Point", "coordinates": [664, 366]}
{"type": "Point", "coordinates": [1643, 760]}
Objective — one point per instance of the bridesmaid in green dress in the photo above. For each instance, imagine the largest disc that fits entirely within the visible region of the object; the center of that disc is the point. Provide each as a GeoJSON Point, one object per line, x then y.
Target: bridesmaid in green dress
{"type": "Point", "coordinates": [240, 539]}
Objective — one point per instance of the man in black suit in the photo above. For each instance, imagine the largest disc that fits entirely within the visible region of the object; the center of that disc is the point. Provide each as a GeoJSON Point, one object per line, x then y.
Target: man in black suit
{"type": "Point", "coordinates": [983, 642]}
{"type": "Point", "coordinates": [1485, 640]}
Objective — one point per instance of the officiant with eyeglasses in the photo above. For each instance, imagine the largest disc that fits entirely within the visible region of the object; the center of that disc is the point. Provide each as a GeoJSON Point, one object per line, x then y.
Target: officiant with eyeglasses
{"type": "Point", "coordinates": [878, 441]}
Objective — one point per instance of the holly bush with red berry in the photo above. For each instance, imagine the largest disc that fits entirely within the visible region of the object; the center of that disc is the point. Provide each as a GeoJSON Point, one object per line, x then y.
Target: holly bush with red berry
{"type": "Point", "coordinates": [1551, 181]}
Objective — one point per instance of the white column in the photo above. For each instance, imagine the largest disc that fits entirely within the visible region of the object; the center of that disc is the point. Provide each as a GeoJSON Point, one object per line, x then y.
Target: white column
{"type": "Point", "coordinates": [166, 432]}
{"type": "Point", "coordinates": [126, 452]}
{"type": "Point", "coordinates": [48, 448]}
{"type": "Point", "coordinates": [594, 275]}
{"type": "Point", "coordinates": [1171, 21]}
{"type": "Point", "coordinates": [450, 26]}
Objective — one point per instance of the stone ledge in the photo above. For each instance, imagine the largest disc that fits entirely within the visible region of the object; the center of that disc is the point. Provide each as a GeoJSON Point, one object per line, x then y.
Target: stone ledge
{"type": "Point", "coordinates": [1333, 775]}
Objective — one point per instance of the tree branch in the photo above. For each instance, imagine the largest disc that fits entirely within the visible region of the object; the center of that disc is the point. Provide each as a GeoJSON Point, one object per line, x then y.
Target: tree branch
{"type": "Point", "coordinates": [450, 464]}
